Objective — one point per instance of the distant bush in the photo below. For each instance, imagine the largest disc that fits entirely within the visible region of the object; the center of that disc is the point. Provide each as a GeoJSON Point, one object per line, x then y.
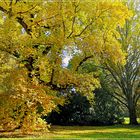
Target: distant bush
{"type": "Point", "coordinates": [75, 112]}
{"type": "Point", "coordinates": [107, 110]}
{"type": "Point", "coordinates": [78, 111]}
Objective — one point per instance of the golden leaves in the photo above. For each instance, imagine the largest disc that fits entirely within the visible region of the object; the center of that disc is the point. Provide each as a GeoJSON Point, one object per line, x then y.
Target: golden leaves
{"type": "Point", "coordinates": [23, 101]}
{"type": "Point", "coordinates": [41, 30]}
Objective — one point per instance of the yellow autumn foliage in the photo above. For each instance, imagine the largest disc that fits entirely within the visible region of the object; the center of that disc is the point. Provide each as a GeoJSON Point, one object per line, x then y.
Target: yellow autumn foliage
{"type": "Point", "coordinates": [35, 33]}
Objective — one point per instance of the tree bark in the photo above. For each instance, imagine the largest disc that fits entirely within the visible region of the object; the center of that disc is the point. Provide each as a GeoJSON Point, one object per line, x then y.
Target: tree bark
{"type": "Point", "coordinates": [132, 114]}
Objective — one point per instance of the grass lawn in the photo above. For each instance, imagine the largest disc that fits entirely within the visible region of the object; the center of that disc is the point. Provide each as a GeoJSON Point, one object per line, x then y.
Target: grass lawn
{"type": "Point", "coordinates": [127, 120]}
{"type": "Point", "coordinates": [117, 132]}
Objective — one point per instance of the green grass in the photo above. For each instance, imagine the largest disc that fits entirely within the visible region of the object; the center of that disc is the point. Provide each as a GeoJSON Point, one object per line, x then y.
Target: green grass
{"type": "Point", "coordinates": [117, 132]}
{"type": "Point", "coordinates": [127, 120]}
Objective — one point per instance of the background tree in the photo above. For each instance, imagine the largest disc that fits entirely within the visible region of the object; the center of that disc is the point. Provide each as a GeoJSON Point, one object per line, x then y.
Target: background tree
{"type": "Point", "coordinates": [127, 76]}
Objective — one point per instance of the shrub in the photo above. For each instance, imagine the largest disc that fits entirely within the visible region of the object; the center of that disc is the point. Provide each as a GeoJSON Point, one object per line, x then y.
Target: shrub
{"type": "Point", "coordinates": [78, 111]}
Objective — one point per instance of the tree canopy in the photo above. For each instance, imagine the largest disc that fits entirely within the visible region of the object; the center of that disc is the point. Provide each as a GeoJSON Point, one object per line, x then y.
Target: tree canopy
{"type": "Point", "coordinates": [35, 33]}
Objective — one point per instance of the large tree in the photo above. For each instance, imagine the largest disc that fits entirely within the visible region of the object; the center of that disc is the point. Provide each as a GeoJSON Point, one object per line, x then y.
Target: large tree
{"type": "Point", "coordinates": [127, 77]}
{"type": "Point", "coordinates": [36, 32]}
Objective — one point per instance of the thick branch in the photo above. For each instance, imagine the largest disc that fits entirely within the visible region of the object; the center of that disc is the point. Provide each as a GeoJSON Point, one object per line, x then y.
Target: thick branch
{"type": "Point", "coordinates": [3, 10]}
{"type": "Point", "coordinates": [114, 76]}
{"type": "Point", "coordinates": [24, 25]}
{"type": "Point", "coordinates": [15, 54]}
{"type": "Point", "coordinates": [118, 99]}
{"type": "Point", "coordinates": [83, 60]}
{"type": "Point", "coordinates": [52, 85]}
{"type": "Point", "coordinates": [121, 96]}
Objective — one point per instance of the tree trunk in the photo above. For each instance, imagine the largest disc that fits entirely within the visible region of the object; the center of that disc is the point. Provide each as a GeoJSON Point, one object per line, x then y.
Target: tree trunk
{"type": "Point", "coordinates": [132, 114]}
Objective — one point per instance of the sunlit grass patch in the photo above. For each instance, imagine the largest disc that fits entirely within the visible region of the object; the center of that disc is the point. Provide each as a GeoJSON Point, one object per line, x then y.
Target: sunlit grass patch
{"type": "Point", "coordinates": [127, 120]}
{"type": "Point", "coordinates": [88, 132]}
